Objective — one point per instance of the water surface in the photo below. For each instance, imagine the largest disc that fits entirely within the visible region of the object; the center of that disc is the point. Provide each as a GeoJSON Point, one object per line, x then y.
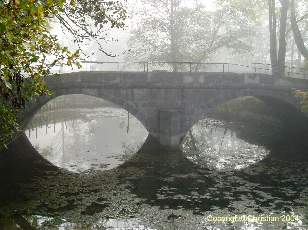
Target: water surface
{"type": "Point", "coordinates": [105, 180]}
{"type": "Point", "coordinates": [79, 139]}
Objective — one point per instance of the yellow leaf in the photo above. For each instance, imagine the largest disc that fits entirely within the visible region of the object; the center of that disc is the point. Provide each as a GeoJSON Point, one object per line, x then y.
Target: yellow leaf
{"type": "Point", "coordinates": [40, 11]}
{"type": "Point", "coordinates": [49, 2]}
{"type": "Point", "coordinates": [73, 3]}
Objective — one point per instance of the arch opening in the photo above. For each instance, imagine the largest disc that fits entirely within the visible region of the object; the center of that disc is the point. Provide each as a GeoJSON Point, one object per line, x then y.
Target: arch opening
{"type": "Point", "coordinates": [274, 123]}
{"type": "Point", "coordinates": [249, 129]}
{"type": "Point", "coordinates": [79, 132]}
{"type": "Point", "coordinates": [215, 144]}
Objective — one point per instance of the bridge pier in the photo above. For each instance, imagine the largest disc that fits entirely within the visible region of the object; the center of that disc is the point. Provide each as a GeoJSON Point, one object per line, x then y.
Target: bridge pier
{"type": "Point", "coordinates": [165, 133]}
{"type": "Point", "coordinates": [170, 124]}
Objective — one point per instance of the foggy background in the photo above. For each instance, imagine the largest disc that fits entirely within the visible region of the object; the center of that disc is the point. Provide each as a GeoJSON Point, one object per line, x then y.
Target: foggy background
{"type": "Point", "coordinates": [243, 39]}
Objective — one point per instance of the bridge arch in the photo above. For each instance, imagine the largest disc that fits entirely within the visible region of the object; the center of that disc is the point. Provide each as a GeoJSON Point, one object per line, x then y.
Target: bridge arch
{"type": "Point", "coordinates": [129, 106]}
{"type": "Point", "coordinates": [204, 103]}
{"type": "Point", "coordinates": [284, 105]}
{"type": "Point", "coordinates": [267, 95]}
{"type": "Point", "coordinates": [277, 99]}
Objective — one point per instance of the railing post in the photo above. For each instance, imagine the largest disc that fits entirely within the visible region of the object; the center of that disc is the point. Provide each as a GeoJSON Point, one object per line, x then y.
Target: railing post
{"type": "Point", "coordinates": [223, 67]}
{"type": "Point", "coordinates": [147, 66]}
{"type": "Point", "coordinates": [190, 70]}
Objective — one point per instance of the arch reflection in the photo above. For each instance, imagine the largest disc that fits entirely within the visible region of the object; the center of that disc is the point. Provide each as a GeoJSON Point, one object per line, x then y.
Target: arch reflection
{"type": "Point", "coordinates": [79, 133]}
{"type": "Point", "coordinates": [214, 144]}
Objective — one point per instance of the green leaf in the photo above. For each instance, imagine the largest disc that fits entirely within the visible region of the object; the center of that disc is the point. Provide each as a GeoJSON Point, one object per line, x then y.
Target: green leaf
{"type": "Point", "coordinates": [34, 58]}
{"type": "Point", "coordinates": [7, 84]}
{"type": "Point", "coordinates": [2, 26]}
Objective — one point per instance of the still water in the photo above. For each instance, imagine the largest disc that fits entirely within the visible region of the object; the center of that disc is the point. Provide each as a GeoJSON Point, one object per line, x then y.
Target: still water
{"type": "Point", "coordinates": [98, 138]}
{"type": "Point", "coordinates": [104, 179]}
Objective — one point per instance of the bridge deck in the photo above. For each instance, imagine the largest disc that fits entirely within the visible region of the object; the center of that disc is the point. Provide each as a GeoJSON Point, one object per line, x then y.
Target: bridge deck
{"type": "Point", "coordinates": [115, 79]}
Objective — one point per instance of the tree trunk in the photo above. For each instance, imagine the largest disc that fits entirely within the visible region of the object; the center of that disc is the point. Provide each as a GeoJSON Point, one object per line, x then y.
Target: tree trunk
{"type": "Point", "coordinates": [297, 34]}
{"type": "Point", "coordinates": [273, 35]}
{"type": "Point", "coordinates": [174, 4]}
{"type": "Point", "coordinates": [292, 55]}
{"type": "Point", "coordinates": [282, 37]}
{"type": "Point", "coordinates": [278, 58]}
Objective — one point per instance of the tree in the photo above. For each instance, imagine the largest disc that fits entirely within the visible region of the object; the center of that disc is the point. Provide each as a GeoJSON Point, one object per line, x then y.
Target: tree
{"type": "Point", "coordinates": [173, 32]}
{"type": "Point", "coordinates": [297, 33]}
{"type": "Point", "coordinates": [86, 20]}
{"type": "Point", "coordinates": [278, 57]}
{"type": "Point", "coordinates": [157, 36]}
{"type": "Point", "coordinates": [25, 46]}
{"type": "Point", "coordinates": [28, 51]}
{"type": "Point", "coordinates": [278, 29]}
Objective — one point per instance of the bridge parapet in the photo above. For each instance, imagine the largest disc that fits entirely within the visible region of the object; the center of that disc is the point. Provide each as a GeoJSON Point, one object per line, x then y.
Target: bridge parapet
{"type": "Point", "coordinates": [155, 66]}
{"type": "Point", "coordinates": [127, 80]}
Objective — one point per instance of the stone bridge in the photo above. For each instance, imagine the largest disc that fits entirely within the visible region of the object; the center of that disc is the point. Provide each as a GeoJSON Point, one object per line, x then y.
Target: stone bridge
{"type": "Point", "coordinates": [169, 104]}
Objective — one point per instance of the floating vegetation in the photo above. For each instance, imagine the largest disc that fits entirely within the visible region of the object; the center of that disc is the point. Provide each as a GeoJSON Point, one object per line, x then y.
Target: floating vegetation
{"type": "Point", "coordinates": [175, 198]}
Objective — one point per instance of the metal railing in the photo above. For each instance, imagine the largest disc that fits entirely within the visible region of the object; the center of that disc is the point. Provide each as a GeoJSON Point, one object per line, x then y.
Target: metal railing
{"type": "Point", "coordinates": [290, 71]}
{"type": "Point", "coordinates": [155, 66]}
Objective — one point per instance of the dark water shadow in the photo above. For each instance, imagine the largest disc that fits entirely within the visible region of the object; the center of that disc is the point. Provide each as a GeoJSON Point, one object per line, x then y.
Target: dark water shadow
{"type": "Point", "coordinates": [20, 163]}
{"type": "Point", "coordinates": [170, 182]}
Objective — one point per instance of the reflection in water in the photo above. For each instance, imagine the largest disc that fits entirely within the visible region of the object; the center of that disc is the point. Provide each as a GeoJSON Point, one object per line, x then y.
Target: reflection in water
{"type": "Point", "coordinates": [213, 144]}
{"type": "Point", "coordinates": [163, 190]}
{"type": "Point", "coordinates": [86, 138]}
